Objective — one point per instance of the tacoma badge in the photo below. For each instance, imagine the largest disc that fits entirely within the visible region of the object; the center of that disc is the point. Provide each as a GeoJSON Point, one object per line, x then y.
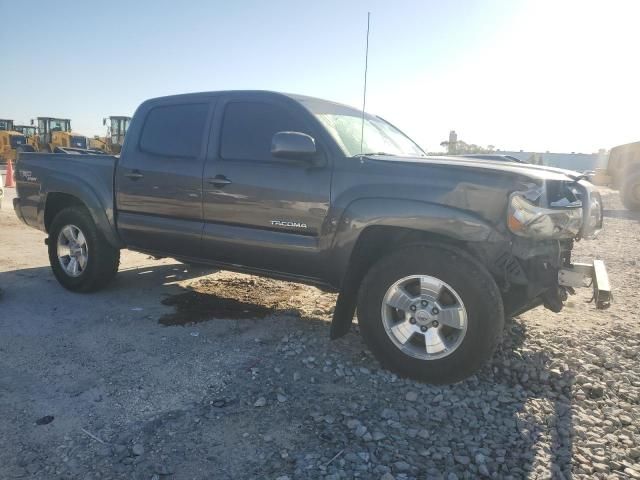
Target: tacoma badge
{"type": "Point", "coordinates": [282, 223]}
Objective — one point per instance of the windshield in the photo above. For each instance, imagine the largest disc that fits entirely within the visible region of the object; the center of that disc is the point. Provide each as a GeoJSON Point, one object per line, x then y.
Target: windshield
{"type": "Point", "coordinates": [26, 130]}
{"type": "Point", "coordinates": [58, 125]}
{"type": "Point", "coordinates": [345, 126]}
{"type": "Point", "coordinates": [6, 125]}
{"type": "Point", "coordinates": [379, 136]}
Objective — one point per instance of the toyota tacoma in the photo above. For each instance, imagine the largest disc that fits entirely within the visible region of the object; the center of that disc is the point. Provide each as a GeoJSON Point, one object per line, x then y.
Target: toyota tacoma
{"type": "Point", "coordinates": [432, 252]}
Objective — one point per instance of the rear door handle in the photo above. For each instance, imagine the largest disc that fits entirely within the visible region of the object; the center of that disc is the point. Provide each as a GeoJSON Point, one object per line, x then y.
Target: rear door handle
{"type": "Point", "coordinates": [134, 175]}
{"type": "Point", "coordinates": [219, 181]}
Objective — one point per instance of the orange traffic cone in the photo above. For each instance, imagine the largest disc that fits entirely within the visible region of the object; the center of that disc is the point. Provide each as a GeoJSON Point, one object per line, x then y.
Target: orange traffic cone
{"type": "Point", "coordinates": [8, 181]}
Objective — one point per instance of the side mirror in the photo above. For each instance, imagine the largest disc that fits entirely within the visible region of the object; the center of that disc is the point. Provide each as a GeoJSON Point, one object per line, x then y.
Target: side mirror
{"type": "Point", "coordinates": [293, 145]}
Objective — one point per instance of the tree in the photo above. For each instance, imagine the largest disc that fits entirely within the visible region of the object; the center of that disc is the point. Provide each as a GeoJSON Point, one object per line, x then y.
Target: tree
{"type": "Point", "coordinates": [460, 147]}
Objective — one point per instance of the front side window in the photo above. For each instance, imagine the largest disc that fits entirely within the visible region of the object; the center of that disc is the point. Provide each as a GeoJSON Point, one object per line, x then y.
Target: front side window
{"type": "Point", "coordinates": [249, 127]}
{"type": "Point", "coordinates": [175, 130]}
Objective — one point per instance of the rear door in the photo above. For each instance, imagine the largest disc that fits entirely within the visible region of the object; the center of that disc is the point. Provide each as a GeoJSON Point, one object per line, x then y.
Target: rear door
{"type": "Point", "coordinates": [159, 178]}
{"type": "Point", "coordinates": [260, 211]}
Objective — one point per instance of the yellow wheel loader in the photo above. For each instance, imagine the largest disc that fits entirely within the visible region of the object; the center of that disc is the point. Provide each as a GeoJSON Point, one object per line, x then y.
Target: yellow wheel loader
{"type": "Point", "coordinates": [56, 133]}
{"type": "Point", "coordinates": [117, 127]}
{"type": "Point", "coordinates": [11, 142]}
{"type": "Point", "coordinates": [30, 133]}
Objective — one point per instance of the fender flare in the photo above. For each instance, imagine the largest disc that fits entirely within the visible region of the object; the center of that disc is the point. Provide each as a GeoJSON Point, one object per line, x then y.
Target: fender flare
{"type": "Point", "coordinates": [96, 198]}
{"type": "Point", "coordinates": [361, 214]}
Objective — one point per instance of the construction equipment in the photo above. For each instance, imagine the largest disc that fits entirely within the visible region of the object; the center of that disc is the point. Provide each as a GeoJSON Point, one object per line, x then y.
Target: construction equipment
{"type": "Point", "coordinates": [56, 133]}
{"type": "Point", "coordinates": [30, 133]}
{"type": "Point", "coordinates": [11, 141]}
{"type": "Point", "coordinates": [117, 127]}
{"type": "Point", "coordinates": [624, 169]}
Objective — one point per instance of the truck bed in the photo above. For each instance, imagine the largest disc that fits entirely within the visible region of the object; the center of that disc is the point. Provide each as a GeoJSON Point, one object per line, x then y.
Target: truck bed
{"type": "Point", "coordinates": [37, 174]}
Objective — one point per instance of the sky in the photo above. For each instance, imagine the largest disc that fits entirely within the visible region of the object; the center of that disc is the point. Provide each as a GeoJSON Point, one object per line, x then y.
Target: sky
{"type": "Point", "coordinates": [533, 75]}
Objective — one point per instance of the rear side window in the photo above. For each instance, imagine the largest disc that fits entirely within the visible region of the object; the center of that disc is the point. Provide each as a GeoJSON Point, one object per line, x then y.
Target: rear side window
{"type": "Point", "coordinates": [248, 128]}
{"type": "Point", "coordinates": [174, 130]}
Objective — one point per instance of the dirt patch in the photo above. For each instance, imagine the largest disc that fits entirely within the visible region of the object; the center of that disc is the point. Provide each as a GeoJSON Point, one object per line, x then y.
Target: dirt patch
{"type": "Point", "coordinates": [243, 297]}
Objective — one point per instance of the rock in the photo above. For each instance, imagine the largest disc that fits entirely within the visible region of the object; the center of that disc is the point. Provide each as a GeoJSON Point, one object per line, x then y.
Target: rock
{"type": "Point", "coordinates": [281, 398]}
{"type": "Point", "coordinates": [377, 436]}
{"type": "Point", "coordinates": [387, 476]}
{"type": "Point", "coordinates": [402, 466]}
{"type": "Point", "coordinates": [411, 396]}
{"type": "Point", "coordinates": [361, 430]}
{"type": "Point", "coordinates": [390, 414]}
{"type": "Point", "coordinates": [46, 420]}
{"type": "Point", "coordinates": [260, 402]}
{"type": "Point", "coordinates": [632, 473]}
{"type": "Point", "coordinates": [601, 467]}
{"type": "Point", "coordinates": [137, 449]}
{"type": "Point", "coordinates": [462, 459]}
{"type": "Point", "coordinates": [353, 423]}
{"type": "Point", "coordinates": [296, 376]}
{"type": "Point", "coordinates": [597, 391]}
{"type": "Point", "coordinates": [625, 419]}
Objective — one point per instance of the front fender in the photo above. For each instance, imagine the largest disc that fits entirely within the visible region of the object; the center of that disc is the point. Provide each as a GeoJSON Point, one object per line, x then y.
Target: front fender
{"type": "Point", "coordinates": [407, 214]}
{"type": "Point", "coordinates": [97, 197]}
{"type": "Point", "coordinates": [411, 214]}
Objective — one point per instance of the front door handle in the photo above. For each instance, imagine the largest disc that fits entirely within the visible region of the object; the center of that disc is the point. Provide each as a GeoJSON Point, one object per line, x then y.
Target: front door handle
{"type": "Point", "coordinates": [134, 175]}
{"type": "Point", "coordinates": [219, 181]}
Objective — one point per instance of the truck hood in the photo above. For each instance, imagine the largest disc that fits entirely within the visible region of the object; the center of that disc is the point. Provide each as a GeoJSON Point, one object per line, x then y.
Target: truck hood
{"type": "Point", "coordinates": [541, 172]}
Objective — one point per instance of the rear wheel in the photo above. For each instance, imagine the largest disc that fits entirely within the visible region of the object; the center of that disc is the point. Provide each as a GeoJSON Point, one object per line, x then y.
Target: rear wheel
{"type": "Point", "coordinates": [630, 192]}
{"type": "Point", "coordinates": [81, 258]}
{"type": "Point", "coordinates": [429, 312]}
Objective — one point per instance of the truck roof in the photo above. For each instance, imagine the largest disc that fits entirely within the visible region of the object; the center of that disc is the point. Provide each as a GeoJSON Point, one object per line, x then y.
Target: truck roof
{"type": "Point", "coordinates": [302, 99]}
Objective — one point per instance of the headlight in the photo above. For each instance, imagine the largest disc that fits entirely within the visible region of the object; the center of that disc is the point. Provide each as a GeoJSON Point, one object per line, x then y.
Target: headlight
{"type": "Point", "coordinates": [528, 220]}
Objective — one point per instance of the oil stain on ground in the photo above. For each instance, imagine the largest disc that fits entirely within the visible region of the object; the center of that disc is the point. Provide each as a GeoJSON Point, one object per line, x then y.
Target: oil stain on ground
{"type": "Point", "coordinates": [244, 296]}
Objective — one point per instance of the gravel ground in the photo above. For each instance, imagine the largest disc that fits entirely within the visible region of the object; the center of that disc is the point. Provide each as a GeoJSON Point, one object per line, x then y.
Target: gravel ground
{"type": "Point", "coordinates": [175, 373]}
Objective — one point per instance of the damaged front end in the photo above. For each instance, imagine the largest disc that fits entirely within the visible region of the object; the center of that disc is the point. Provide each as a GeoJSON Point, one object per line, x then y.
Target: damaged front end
{"type": "Point", "coordinates": [536, 268]}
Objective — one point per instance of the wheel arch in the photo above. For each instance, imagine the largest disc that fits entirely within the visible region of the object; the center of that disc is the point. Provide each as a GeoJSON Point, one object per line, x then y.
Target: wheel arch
{"type": "Point", "coordinates": [365, 234]}
{"type": "Point", "coordinates": [56, 201]}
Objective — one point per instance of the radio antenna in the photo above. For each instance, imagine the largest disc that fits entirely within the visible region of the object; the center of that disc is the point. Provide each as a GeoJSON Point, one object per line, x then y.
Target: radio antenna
{"type": "Point", "coordinates": [364, 95]}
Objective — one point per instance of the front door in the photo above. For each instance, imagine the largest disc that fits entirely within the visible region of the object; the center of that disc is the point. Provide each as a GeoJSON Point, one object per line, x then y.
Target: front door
{"type": "Point", "coordinates": [261, 211]}
{"type": "Point", "coordinates": [159, 180]}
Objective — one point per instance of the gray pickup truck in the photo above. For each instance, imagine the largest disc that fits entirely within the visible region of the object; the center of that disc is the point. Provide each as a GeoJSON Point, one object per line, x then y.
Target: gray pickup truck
{"type": "Point", "coordinates": [433, 252]}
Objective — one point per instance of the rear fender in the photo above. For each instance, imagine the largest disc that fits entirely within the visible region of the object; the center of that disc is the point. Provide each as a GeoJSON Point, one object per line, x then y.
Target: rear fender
{"type": "Point", "coordinates": [98, 199]}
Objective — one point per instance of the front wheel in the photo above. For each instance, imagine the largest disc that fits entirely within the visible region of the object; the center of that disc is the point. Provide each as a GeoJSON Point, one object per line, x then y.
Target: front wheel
{"type": "Point", "coordinates": [432, 313]}
{"type": "Point", "coordinates": [81, 258]}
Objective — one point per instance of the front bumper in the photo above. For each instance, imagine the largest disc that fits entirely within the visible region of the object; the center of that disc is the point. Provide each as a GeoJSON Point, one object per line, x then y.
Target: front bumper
{"type": "Point", "coordinates": [577, 274]}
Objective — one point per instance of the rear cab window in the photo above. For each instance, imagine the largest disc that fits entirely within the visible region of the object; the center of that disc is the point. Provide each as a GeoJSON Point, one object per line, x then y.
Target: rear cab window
{"type": "Point", "coordinates": [174, 130]}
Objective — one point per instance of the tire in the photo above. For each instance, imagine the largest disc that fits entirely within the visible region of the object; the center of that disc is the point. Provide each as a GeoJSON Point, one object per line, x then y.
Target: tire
{"type": "Point", "coordinates": [630, 192]}
{"type": "Point", "coordinates": [102, 259]}
{"type": "Point", "coordinates": [467, 291]}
